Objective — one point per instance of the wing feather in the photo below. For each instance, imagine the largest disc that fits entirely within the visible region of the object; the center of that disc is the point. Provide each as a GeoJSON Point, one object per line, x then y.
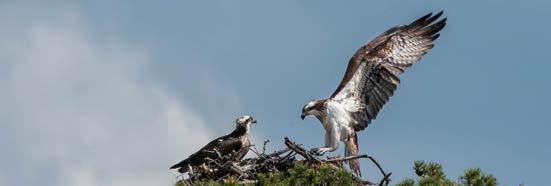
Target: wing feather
{"type": "Point", "coordinates": [224, 145]}
{"type": "Point", "coordinates": [371, 77]}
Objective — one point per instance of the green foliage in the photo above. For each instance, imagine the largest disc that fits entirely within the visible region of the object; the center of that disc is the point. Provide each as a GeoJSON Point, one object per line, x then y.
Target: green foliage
{"type": "Point", "coordinates": [431, 174]}
{"type": "Point", "coordinates": [302, 174]}
{"type": "Point", "coordinates": [231, 181]}
{"type": "Point", "coordinates": [406, 182]}
{"type": "Point", "coordinates": [475, 176]}
{"type": "Point", "coordinates": [180, 183]}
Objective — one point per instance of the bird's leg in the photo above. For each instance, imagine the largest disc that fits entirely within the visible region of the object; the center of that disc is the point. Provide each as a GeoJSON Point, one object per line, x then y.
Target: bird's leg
{"type": "Point", "coordinates": [322, 150]}
{"type": "Point", "coordinates": [331, 144]}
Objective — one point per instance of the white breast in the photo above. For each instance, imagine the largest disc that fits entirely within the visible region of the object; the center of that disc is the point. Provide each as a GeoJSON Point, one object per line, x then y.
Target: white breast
{"type": "Point", "coordinates": [338, 119]}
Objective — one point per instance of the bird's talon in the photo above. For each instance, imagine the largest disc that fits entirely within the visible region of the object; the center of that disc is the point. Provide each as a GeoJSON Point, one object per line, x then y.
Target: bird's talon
{"type": "Point", "coordinates": [317, 151]}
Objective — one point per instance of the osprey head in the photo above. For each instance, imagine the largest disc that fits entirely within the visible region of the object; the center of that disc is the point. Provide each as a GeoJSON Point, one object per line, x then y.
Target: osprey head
{"type": "Point", "coordinates": [313, 107]}
{"type": "Point", "coordinates": [245, 121]}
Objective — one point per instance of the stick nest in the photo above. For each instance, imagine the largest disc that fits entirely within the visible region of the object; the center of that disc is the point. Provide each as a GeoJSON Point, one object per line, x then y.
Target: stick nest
{"type": "Point", "coordinates": [247, 171]}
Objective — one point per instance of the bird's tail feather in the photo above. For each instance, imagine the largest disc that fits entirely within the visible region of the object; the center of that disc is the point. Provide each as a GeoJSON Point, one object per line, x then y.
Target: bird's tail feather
{"type": "Point", "coordinates": [351, 149]}
{"type": "Point", "coordinates": [182, 166]}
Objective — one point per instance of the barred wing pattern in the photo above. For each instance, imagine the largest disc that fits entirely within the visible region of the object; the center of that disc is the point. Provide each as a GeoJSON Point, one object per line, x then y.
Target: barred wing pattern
{"type": "Point", "coordinates": [372, 73]}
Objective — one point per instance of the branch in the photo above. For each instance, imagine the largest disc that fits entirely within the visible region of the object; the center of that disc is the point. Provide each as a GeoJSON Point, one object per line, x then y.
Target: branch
{"type": "Point", "coordinates": [264, 146]}
{"type": "Point", "coordinates": [289, 155]}
{"type": "Point", "coordinates": [347, 158]}
{"type": "Point", "coordinates": [386, 180]}
{"type": "Point", "coordinates": [277, 153]}
{"type": "Point", "coordinates": [386, 177]}
{"type": "Point", "coordinates": [213, 161]}
{"type": "Point", "coordinates": [254, 151]}
{"type": "Point", "coordinates": [301, 151]}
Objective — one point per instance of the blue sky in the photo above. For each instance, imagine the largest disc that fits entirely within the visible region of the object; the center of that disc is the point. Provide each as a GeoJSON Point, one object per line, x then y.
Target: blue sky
{"type": "Point", "coordinates": [113, 93]}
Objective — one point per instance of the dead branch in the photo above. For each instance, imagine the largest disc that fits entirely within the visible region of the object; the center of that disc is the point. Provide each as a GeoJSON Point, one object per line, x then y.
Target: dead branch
{"type": "Point", "coordinates": [246, 171]}
{"type": "Point", "coordinates": [277, 153]}
{"type": "Point", "coordinates": [293, 146]}
{"type": "Point", "coordinates": [386, 177]}
{"type": "Point", "coordinates": [264, 146]}
{"type": "Point", "coordinates": [347, 158]}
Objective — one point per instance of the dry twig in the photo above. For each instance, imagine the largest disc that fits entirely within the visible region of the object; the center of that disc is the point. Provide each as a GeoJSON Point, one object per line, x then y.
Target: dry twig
{"type": "Point", "coordinates": [246, 170]}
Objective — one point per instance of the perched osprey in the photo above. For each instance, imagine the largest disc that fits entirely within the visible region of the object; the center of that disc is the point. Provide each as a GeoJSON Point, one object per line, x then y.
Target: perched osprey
{"type": "Point", "coordinates": [370, 80]}
{"type": "Point", "coordinates": [236, 142]}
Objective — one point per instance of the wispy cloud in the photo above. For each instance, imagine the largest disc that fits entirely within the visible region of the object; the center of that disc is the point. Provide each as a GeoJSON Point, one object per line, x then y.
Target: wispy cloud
{"type": "Point", "coordinates": [79, 110]}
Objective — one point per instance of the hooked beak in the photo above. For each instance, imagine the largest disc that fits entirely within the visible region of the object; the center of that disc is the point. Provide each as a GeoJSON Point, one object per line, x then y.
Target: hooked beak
{"type": "Point", "coordinates": [254, 121]}
{"type": "Point", "coordinates": [302, 116]}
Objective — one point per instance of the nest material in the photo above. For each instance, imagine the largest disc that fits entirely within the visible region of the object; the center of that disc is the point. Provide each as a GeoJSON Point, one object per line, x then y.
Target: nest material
{"type": "Point", "coordinates": [246, 170]}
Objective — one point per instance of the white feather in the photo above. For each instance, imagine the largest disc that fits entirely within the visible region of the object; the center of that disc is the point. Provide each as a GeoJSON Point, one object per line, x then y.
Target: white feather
{"type": "Point", "coordinates": [338, 120]}
{"type": "Point", "coordinates": [348, 96]}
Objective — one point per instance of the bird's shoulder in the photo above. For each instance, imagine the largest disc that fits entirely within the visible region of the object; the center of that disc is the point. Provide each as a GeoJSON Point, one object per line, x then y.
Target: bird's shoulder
{"type": "Point", "coordinates": [215, 143]}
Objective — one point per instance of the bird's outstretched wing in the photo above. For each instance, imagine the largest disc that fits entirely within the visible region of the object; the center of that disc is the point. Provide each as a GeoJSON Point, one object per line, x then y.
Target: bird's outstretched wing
{"type": "Point", "coordinates": [372, 73]}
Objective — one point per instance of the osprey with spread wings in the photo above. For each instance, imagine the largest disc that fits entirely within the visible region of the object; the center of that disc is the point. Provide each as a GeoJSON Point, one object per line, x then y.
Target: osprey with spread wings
{"type": "Point", "coordinates": [370, 80]}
